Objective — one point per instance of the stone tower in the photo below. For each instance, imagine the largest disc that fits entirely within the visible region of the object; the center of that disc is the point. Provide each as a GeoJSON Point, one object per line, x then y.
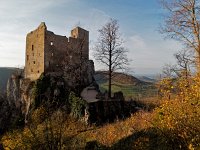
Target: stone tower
{"type": "Point", "coordinates": [83, 38]}
{"type": "Point", "coordinates": [46, 52]}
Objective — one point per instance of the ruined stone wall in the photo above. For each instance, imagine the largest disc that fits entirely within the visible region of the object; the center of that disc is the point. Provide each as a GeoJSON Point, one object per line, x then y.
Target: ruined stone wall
{"type": "Point", "coordinates": [56, 49]}
{"type": "Point", "coordinates": [81, 41]}
{"type": "Point", "coordinates": [61, 51]}
{"type": "Point", "coordinates": [50, 53]}
{"type": "Point", "coordinates": [34, 62]}
{"type": "Point", "coordinates": [64, 53]}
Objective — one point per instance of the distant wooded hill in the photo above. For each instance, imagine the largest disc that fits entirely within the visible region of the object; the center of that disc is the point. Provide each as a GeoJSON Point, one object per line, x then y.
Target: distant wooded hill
{"type": "Point", "coordinates": [146, 79]}
{"type": "Point", "coordinates": [5, 73]}
{"type": "Point", "coordinates": [122, 78]}
{"type": "Point", "coordinates": [131, 86]}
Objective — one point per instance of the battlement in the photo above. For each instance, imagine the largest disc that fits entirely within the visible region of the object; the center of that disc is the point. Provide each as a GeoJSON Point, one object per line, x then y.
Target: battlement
{"type": "Point", "coordinates": [80, 33]}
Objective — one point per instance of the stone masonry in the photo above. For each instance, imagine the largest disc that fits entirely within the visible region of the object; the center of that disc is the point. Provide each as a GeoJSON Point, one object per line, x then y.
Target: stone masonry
{"type": "Point", "coordinates": [47, 52]}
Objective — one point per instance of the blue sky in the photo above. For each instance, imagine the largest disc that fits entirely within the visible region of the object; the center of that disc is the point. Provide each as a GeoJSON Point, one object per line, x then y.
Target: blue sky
{"type": "Point", "coordinates": [139, 22]}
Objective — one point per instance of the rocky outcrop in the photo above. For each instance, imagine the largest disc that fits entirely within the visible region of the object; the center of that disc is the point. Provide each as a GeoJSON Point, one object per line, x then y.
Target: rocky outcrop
{"type": "Point", "coordinates": [19, 96]}
{"type": "Point", "coordinates": [11, 104]}
{"type": "Point", "coordinates": [14, 99]}
{"type": "Point", "coordinates": [26, 99]}
{"type": "Point", "coordinates": [53, 91]}
{"type": "Point", "coordinates": [13, 92]}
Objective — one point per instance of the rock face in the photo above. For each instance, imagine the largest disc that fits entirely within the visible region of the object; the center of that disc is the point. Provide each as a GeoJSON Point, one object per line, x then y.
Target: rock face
{"type": "Point", "coordinates": [25, 96]}
{"type": "Point", "coordinates": [12, 104]}
{"type": "Point", "coordinates": [19, 96]}
{"type": "Point", "coordinates": [20, 91]}
{"type": "Point", "coordinates": [13, 92]}
{"type": "Point", "coordinates": [13, 98]}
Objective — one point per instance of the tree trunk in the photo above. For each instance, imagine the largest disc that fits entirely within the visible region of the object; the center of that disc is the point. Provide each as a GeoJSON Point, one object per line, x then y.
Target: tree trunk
{"type": "Point", "coordinates": [198, 62]}
{"type": "Point", "coordinates": [110, 74]}
{"type": "Point", "coordinates": [109, 86]}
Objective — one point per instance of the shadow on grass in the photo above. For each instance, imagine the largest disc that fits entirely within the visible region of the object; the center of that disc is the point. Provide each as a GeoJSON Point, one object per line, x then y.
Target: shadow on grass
{"type": "Point", "coordinates": [150, 139]}
{"type": "Point", "coordinates": [146, 106]}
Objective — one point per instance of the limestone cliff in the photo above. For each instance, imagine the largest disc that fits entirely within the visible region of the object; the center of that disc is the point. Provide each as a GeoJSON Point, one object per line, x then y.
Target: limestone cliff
{"type": "Point", "coordinates": [53, 91]}
{"type": "Point", "coordinates": [13, 92]}
{"type": "Point", "coordinates": [26, 88]}
{"type": "Point", "coordinates": [11, 104]}
{"type": "Point", "coordinates": [19, 96]}
{"type": "Point", "coordinates": [19, 93]}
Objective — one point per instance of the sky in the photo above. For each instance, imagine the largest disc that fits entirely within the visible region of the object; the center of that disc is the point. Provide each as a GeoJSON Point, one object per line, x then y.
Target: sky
{"type": "Point", "coordinates": [139, 22]}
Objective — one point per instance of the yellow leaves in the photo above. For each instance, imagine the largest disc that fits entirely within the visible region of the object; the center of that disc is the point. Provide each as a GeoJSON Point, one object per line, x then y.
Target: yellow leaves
{"type": "Point", "coordinates": [179, 116]}
{"type": "Point", "coordinates": [190, 147]}
{"type": "Point", "coordinates": [182, 113]}
{"type": "Point", "coordinates": [12, 141]}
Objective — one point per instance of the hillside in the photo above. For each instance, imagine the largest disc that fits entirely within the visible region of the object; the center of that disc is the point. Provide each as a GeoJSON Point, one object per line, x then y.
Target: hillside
{"type": "Point", "coordinates": [146, 79]}
{"type": "Point", "coordinates": [4, 75]}
{"type": "Point", "coordinates": [120, 78]}
{"type": "Point", "coordinates": [131, 86]}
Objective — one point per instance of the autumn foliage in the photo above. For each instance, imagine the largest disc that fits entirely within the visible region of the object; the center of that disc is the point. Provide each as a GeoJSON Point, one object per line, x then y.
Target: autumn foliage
{"type": "Point", "coordinates": [173, 124]}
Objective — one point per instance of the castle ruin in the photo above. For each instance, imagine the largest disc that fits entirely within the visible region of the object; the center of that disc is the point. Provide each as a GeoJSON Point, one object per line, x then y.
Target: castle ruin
{"type": "Point", "coordinates": [49, 53]}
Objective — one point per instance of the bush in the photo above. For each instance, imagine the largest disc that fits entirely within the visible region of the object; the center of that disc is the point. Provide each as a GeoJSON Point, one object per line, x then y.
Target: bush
{"type": "Point", "coordinates": [181, 114]}
{"type": "Point", "coordinates": [77, 105]}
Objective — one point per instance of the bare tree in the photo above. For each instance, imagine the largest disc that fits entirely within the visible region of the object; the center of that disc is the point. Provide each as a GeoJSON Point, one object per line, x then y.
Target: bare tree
{"type": "Point", "coordinates": [185, 63]}
{"type": "Point", "coordinates": [182, 23]}
{"type": "Point", "coordinates": [110, 51]}
{"type": "Point", "coordinates": [169, 71]}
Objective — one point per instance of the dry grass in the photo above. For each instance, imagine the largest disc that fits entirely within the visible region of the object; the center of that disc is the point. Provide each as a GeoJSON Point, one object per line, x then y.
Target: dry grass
{"type": "Point", "coordinates": [162, 124]}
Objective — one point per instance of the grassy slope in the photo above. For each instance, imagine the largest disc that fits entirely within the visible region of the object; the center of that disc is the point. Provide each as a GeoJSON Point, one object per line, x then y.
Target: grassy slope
{"type": "Point", "coordinates": [144, 130]}
{"type": "Point", "coordinates": [173, 125]}
{"type": "Point", "coordinates": [129, 85]}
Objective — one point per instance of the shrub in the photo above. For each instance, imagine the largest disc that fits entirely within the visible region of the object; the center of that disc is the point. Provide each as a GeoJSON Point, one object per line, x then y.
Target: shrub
{"type": "Point", "coordinates": [181, 114]}
{"type": "Point", "coordinates": [77, 105]}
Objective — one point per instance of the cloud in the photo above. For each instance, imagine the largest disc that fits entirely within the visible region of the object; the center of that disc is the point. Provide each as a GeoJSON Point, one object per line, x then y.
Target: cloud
{"type": "Point", "coordinates": [12, 31]}
{"type": "Point", "coordinates": [23, 8]}
{"type": "Point", "coordinates": [150, 55]}
{"type": "Point", "coordinates": [135, 42]}
{"type": "Point", "coordinates": [20, 17]}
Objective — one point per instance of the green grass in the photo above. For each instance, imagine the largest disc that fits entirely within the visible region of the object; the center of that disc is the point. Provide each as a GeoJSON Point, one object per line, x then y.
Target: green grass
{"type": "Point", "coordinates": [131, 91]}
